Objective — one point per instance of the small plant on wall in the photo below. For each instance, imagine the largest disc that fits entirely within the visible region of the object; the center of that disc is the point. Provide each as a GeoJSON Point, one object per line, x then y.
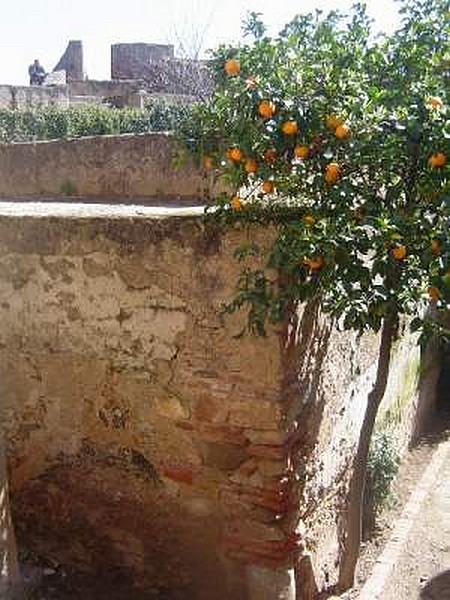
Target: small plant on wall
{"type": "Point", "coordinates": [342, 141]}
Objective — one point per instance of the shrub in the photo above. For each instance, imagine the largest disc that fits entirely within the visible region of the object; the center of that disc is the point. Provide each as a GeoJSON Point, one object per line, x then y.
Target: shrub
{"type": "Point", "coordinates": [382, 468]}
{"type": "Point", "coordinates": [51, 122]}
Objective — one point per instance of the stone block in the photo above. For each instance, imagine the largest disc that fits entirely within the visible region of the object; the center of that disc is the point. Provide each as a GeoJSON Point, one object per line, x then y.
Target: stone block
{"type": "Point", "coordinates": [225, 457]}
{"type": "Point", "coordinates": [183, 473]}
{"type": "Point", "coordinates": [269, 438]}
{"type": "Point", "coordinates": [273, 468]}
{"type": "Point", "coordinates": [255, 414]}
{"type": "Point", "coordinates": [170, 407]}
{"type": "Point", "coordinates": [210, 409]}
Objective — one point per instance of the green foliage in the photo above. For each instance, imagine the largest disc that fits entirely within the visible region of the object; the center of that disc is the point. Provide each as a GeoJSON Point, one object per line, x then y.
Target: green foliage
{"type": "Point", "coordinates": [382, 468]}
{"type": "Point", "coordinates": [68, 188]}
{"type": "Point", "coordinates": [50, 122]}
{"type": "Point", "coordinates": [353, 134]}
{"type": "Point", "coordinates": [254, 25]}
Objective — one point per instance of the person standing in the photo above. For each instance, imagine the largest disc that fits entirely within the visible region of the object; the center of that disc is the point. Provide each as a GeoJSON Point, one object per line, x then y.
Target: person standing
{"type": "Point", "coordinates": [37, 73]}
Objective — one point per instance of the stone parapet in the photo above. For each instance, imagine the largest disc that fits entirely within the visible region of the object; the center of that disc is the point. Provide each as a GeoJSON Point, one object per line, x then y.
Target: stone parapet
{"type": "Point", "coordinates": [31, 97]}
{"type": "Point", "coordinates": [105, 167]}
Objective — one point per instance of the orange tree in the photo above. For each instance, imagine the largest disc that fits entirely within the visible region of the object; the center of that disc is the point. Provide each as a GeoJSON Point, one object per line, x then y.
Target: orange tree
{"type": "Point", "coordinates": [343, 141]}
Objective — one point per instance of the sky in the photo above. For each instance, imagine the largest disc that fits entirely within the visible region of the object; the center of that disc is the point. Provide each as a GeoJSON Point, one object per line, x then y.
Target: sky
{"type": "Point", "coordinates": [41, 29]}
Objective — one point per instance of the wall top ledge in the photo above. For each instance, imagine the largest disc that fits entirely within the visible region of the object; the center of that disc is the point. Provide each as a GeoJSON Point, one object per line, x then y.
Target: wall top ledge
{"type": "Point", "coordinates": [156, 136]}
{"type": "Point", "coordinates": [88, 210]}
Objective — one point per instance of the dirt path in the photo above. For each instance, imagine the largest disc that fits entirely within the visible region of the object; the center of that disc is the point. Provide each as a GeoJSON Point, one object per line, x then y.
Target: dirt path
{"type": "Point", "coordinates": [426, 555]}
{"type": "Point", "coordinates": [426, 552]}
{"type": "Point", "coordinates": [409, 559]}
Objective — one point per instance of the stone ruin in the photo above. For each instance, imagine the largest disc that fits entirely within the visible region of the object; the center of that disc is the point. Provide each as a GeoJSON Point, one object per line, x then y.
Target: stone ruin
{"type": "Point", "coordinates": [71, 62]}
{"type": "Point", "coordinates": [138, 71]}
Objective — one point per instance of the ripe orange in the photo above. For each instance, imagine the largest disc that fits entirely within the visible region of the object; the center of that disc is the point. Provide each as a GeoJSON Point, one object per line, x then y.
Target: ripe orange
{"type": "Point", "coordinates": [435, 247]}
{"type": "Point", "coordinates": [434, 102]}
{"type": "Point", "coordinates": [438, 159]}
{"type": "Point", "coordinates": [268, 187]}
{"type": "Point", "coordinates": [399, 252]}
{"type": "Point", "coordinates": [232, 66]}
{"type": "Point", "coordinates": [301, 151]}
{"type": "Point", "coordinates": [270, 155]}
{"type": "Point", "coordinates": [289, 127]}
{"type": "Point", "coordinates": [314, 263]}
{"type": "Point", "coordinates": [266, 109]}
{"type": "Point", "coordinates": [251, 165]}
{"type": "Point", "coordinates": [333, 122]}
{"type": "Point", "coordinates": [208, 162]}
{"type": "Point", "coordinates": [309, 219]}
{"type": "Point", "coordinates": [332, 172]}
{"type": "Point", "coordinates": [434, 293]}
{"type": "Point", "coordinates": [236, 203]}
{"type": "Point", "coordinates": [234, 154]}
{"type": "Point", "coordinates": [342, 131]}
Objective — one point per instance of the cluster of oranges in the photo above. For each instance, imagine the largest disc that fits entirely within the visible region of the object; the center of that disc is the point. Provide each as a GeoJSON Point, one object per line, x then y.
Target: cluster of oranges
{"type": "Point", "coordinates": [266, 110]}
{"type": "Point", "coordinates": [340, 129]}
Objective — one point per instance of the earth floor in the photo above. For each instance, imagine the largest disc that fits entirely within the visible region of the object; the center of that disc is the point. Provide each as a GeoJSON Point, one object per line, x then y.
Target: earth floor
{"type": "Point", "coordinates": [421, 571]}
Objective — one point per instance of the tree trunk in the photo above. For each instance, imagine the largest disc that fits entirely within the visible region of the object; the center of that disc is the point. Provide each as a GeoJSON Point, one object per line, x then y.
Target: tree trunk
{"type": "Point", "coordinates": [10, 584]}
{"type": "Point", "coordinates": [352, 537]}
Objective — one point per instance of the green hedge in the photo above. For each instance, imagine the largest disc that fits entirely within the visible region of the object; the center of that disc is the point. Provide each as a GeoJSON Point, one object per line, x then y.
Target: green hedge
{"type": "Point", "coordinates": [49, 122]}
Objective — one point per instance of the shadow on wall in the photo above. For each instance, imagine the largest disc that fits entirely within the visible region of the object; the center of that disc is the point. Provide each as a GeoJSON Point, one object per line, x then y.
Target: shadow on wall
{"type": "Point", "coordinates": [430, 390]}
{"type": "Point", "coordinates": [438, 588]}
{"type": "Point", "coordinates": [304, 367]}
{"type": "Point", "coordinates": [307, 345]}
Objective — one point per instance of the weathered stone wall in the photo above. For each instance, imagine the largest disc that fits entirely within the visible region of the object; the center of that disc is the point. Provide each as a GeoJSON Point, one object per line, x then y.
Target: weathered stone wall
{"type": "Point", "coordinates": [121, 93]}
{"type": "Point", "coordinates": [329, 374]}
{"type": "Point", "coordinates": [177, 76]}
{"type": "Point", "coordinates": [105, 89]}
{"type": "Point", "coordinates": [128, 407]}
{"type": "Point", "coordinates": [411, 394]}
{"type": "Point", "coordinates": [160, 71]}
{"type": "Point", "coordinates": [194, 463]}
{"type": "Point", "coordinates": [127, 60]}
{"type": "Point", "coordinates": [23, 97]}
{"type": "Point", "coordinates": [127, 166]}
